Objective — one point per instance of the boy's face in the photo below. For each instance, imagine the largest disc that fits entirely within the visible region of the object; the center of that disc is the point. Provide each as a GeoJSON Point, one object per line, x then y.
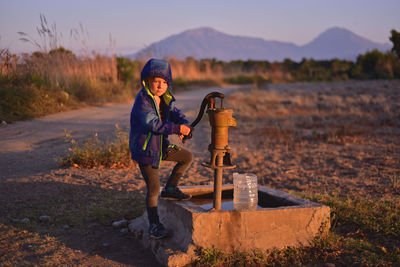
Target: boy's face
{"type": "Point", "coordinates": [158, 86]}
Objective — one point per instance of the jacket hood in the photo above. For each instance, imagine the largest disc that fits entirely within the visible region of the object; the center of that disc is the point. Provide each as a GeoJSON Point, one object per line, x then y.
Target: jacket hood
{"type": "Point", "coordinates": [159, 68]}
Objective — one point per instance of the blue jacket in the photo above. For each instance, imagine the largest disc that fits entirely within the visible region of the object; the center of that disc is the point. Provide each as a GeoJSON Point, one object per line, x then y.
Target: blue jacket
{"type": "Point", "coordinates": [148, 138]}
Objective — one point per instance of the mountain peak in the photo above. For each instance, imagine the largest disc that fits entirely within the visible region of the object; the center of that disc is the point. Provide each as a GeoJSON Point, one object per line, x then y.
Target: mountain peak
{"type": "Point", "coordinates": [202, 31]}
{"type": "Point", "coordinates": [337, 42]}
{"type": "Point", "coordinates": [337, 29]}
{"type": "Point", "coordinates": [338, 32]}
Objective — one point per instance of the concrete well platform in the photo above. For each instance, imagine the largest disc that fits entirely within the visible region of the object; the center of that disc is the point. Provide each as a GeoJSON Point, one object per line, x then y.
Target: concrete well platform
{"type": "Point", "coordinates": [281, 220]}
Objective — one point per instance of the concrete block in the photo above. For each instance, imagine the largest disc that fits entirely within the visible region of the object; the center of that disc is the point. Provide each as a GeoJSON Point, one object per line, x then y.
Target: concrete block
{"type": "Point", "coordinates": [282, 220]}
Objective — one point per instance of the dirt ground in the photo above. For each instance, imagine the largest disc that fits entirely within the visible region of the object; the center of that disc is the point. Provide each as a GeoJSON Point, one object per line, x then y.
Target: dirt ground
{"type": "Point", "coordinates": [341, 138]}
{"type": "Point", "coordinates": [30, 173]}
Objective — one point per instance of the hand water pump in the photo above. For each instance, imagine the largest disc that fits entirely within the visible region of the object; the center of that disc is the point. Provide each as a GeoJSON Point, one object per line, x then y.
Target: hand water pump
{"type": "Point", "coordinates": [220, 119]}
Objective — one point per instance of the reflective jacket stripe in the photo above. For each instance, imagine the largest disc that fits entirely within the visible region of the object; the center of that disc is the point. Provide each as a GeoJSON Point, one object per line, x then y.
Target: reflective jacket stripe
{"type": "Point", "coordinates": [158, 113]}
{"type": "Point", "coordinates": [147, 141]}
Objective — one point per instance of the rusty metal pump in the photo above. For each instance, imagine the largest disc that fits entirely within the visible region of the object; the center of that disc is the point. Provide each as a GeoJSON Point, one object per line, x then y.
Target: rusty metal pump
{"type": "Point", "coordinates": [220, 120]}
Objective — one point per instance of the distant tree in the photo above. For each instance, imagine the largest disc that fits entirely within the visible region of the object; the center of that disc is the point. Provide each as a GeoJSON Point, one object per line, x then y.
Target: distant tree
{"type": "Point", "coordinates": [60, 50]}
{"type": "Point", "coordinates": [395, 39]}
{"type": "Point", "coordinates": [126, 69]}
{"type": "Point", "coordinates": [375, 65]}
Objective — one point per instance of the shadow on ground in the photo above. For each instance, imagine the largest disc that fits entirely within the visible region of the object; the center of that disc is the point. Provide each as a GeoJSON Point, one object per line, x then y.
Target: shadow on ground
{"type": "Point", "coordinates": [79, 227]}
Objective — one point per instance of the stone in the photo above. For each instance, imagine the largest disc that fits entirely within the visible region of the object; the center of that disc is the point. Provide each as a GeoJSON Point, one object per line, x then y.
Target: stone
{"type": "Point", "coordinates": [24, 220]}
{"type": "Point", "coordinates": [121, 223]}
{"type": "Point", "coordinates": [66, 227]}
{"type": "Point", "coordinates": [44, 218]}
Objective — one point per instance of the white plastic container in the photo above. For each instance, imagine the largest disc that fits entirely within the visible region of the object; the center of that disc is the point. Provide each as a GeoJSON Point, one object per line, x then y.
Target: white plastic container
{"type": "Point", "coordinates": [245, 191]}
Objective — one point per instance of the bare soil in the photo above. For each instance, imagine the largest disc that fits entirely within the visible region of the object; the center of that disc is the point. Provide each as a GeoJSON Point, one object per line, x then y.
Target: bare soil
{"type": "Point", "coordinates": [340, 138]}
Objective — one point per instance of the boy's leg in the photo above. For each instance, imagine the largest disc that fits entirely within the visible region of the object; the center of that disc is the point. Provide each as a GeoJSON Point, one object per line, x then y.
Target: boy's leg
{"type": "Point", "coordinates": [151, 177]}
{"type": "Point", "coordinates": [183, 158]}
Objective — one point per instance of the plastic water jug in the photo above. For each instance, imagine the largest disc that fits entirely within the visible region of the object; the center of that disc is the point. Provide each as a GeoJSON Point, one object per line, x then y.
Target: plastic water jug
{"type": "Point", "coordinates": [245, 191]}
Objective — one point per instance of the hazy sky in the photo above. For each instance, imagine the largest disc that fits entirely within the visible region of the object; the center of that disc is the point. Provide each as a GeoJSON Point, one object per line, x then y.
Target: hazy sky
{"type": "Point", "coordinates": [135, 24]}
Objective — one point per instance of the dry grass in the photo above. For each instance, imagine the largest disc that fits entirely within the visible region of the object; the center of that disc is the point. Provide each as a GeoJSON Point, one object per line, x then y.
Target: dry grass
{"type": "Point", "coordinates": [96, 153]}
{"type": "Point", "coordinates": [44, 83]}
{"type": "Point", "coordinates": [332, 137]}
{"type": "Point", "coordinates": [57, 75]}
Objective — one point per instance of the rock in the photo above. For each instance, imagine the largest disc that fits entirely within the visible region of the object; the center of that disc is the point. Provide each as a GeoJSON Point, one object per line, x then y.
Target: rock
{"type": "Point", "coordinates": [124, 230]}
{"type": "Point", "coordinates": [105, 244]}
{"type": "Point", "coordinates": [121, 223]}
{"type": "Point", "coordinates": [44, 218]}
{"type": "Point", "coordinates": [66, 227]}
{"type": "Point", "coordinates": [3, 123]}
{"type": "Point", "coordinates": [24, 220]}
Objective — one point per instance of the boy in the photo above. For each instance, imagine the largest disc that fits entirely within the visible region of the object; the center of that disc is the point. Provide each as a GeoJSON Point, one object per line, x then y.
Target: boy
{"type": "Point", "coordinates": [154, 117]}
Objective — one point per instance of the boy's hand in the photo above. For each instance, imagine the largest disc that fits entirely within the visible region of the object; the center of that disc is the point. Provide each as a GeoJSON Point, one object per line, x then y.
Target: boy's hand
{"type": "Point", "coordinates": [184, 136]}
{"type": "Point", "coordinates": [184, 129]}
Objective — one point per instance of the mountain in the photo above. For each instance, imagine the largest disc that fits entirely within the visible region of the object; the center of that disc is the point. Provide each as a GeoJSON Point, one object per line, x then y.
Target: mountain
{"type": "Point", "coordinates": [340, 43]}
{"type": "Point", "coordinates": [208, 43]}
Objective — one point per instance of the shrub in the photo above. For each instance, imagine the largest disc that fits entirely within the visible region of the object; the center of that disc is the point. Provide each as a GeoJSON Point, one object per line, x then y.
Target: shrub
{"type": "Point", "coordinates": [96, 153]}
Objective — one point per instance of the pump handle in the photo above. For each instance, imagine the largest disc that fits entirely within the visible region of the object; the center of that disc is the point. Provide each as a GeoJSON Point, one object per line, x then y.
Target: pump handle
{"type": "Point", "coordinates": [210, 100]}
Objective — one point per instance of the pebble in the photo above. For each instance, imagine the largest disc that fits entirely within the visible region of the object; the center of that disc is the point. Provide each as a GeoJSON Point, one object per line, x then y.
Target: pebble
{"type": "Point", "coordinates": [124, 230]}
{"type": "Point", "coordinates": [24, 220]}
{"type": "Point", "coordinates": [3, 123]}
{"type": "Point", "coordinates": [121, 223]}
{"type": "Point", "coordinates": [105, 244]}
{"type": "Point", "coordinates": [65, 227]}
{"type": "Point", "coordinates": [44, 218]}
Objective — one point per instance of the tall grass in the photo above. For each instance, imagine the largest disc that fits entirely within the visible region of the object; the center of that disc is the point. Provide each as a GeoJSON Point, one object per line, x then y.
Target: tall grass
{"type": "Point", "coordinates": [53, 78]}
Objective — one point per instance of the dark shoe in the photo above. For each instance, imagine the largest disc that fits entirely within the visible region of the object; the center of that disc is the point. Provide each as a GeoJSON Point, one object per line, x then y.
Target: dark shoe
{"type": "Point", "coordinates": [174, 193]}
{"type": "Point", "coordinates": [157, 231]}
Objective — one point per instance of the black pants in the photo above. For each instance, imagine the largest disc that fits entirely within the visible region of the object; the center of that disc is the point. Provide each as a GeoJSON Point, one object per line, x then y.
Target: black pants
{"type": "Point", "coordinates": [183, 158]}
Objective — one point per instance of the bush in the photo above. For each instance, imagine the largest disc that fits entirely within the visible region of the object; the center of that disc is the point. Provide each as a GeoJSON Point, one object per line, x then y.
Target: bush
{"type": "Point", "coordinates": [95, 153]}
{"type": "Point", "coordinates": [180, 84]}
{"type": "Point", "coordinates": [243, 79]}
{"type": "Point", "coordinates": [19, 101]}
{"type": "Point", "coordinates": [126, 69]}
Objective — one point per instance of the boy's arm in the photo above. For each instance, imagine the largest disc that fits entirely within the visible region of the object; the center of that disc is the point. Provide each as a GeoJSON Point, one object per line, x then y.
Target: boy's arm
{"type": "Point", "coordinates": [177, 115]}
{"type": "Point", "coordinates": [152, 122]}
